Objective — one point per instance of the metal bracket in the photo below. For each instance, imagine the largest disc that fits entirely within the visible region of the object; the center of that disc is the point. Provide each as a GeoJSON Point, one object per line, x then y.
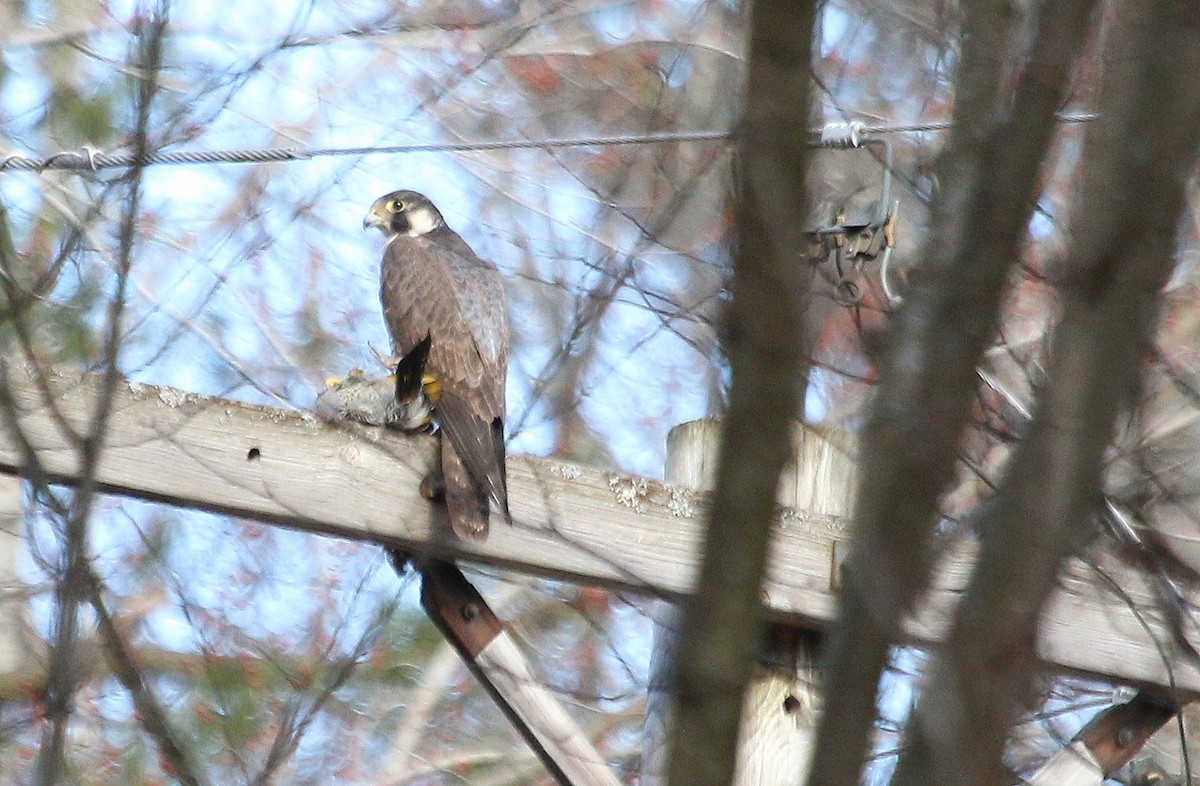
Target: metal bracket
{"type": "Point", "coordinates": [851, 241]}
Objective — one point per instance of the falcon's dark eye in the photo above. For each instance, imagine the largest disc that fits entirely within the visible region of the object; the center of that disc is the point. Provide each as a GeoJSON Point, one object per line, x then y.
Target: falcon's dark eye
{"type": "Point", "coordinates": [396, 206]}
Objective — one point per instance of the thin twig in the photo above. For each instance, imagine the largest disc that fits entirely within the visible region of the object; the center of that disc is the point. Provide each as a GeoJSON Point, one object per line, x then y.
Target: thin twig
{"type": "Point", "coordinates": [150, 714]}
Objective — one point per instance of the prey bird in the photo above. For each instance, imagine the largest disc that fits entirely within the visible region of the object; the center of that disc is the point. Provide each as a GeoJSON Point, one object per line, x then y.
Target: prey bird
{"type": "Point", "coordinates": [432, 285]}
{"type": "Point", "coordinates": [404, 400]}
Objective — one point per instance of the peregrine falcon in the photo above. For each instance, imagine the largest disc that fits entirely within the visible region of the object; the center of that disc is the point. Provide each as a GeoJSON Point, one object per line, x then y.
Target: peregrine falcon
{"type": "Point", "coordinates": [433, 285]}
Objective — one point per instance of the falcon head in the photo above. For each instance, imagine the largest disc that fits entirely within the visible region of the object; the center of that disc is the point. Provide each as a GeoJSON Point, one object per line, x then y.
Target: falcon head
{"type": "Point", "coordinates": [403, 213]}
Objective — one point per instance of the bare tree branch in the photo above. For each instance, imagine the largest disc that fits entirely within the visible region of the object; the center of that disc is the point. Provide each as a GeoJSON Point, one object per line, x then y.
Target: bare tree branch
{"type": "Point", "coordinates": [927, 373]}
{"type": "Point", "coordinates": [723, 622]}
{"type": "Point", "coordinates": [62, 681]}
{"type": "Point", "coordinates": [150, 713]}
{"type": "Point", "coordinates": [296, 720]}
{"type": "Point", "coordinates": [1048, 501]}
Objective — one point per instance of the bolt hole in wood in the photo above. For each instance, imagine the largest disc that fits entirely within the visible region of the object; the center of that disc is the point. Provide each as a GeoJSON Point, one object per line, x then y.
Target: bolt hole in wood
{"type": "Point", "coordinates": [791, 705]}
{"type": "Point", "coordinates": [253, 454]}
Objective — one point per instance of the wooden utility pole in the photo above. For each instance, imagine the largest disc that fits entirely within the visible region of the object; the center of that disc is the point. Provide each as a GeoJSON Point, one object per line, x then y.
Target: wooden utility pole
{"type": "Point", "coordinates": [13, 657]}
{"type": "Point", "coordinates": [782, 702]}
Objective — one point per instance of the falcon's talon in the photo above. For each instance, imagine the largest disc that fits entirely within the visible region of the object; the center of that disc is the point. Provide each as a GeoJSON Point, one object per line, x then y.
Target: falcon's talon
{"type": "Point", "coordinates": [401, 560]}
{"type": "Point", "coordinates": [433, 488]}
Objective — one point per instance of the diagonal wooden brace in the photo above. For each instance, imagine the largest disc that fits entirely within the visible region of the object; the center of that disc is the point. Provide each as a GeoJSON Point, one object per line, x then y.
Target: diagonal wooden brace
{"type": "Point", "coordinates": [1107, 743]}
{"type": "Point", "coordinates": [492, 655]}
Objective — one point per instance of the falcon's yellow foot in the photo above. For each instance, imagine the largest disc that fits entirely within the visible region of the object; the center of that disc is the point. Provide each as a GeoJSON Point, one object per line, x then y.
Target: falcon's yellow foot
{"type": "Point", "coordinates": [432, 386]}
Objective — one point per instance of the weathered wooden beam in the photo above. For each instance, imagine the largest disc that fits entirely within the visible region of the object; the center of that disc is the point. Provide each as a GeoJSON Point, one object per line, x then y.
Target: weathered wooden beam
{"type": "Point", "coordinates": [602, 528]}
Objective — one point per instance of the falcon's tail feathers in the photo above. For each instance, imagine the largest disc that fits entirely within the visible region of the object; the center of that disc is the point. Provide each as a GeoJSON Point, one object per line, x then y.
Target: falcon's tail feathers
{"type": "Point", "coordinates": [467, 504]}
{"type": "Point", "coordinates": [502, 467]}
{"type": "Point", "coordinates": [480, 445]}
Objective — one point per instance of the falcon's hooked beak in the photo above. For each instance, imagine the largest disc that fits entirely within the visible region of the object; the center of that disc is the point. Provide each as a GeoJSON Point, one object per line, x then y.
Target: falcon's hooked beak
{"type": "Point", "coordinates": [373, 219]}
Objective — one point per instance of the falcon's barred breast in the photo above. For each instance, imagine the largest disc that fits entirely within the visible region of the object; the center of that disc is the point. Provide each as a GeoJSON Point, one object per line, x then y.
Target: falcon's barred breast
{"type": "Point", "coordinates": [433, 285]}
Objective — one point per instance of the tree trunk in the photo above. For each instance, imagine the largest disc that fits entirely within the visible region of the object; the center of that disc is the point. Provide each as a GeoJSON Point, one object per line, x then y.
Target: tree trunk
{"type": "Point", "coordinates": [724, 619]}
